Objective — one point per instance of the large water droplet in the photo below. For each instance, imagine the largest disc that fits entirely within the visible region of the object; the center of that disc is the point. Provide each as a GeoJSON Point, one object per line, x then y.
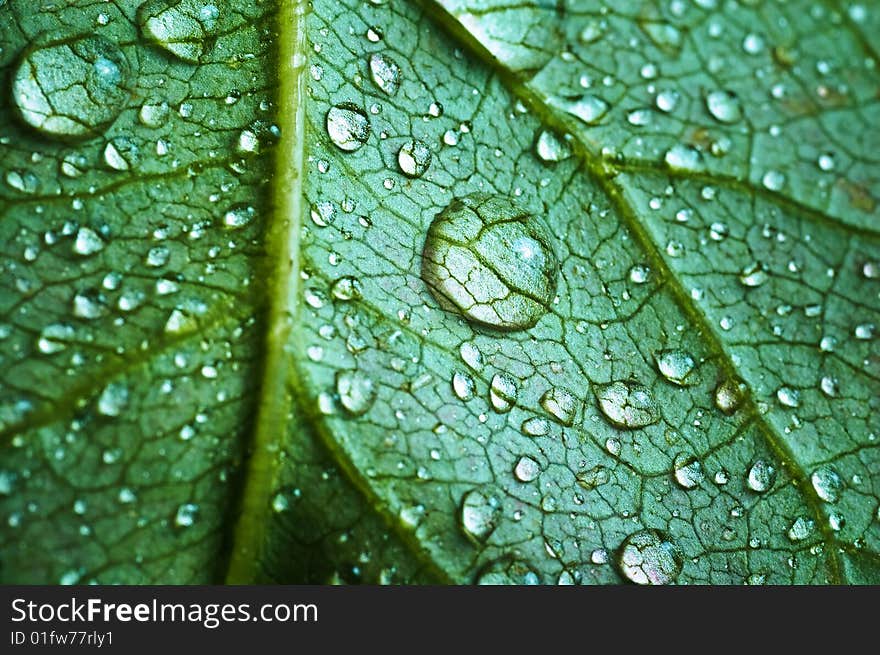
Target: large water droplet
{"type": "Point", "coordinates": [182, 27]}
{"type": "Point", "coordinates": [648, 557]}
{"type": "Point", "coordinates": [414, 158]}
{"type": "Point", "coordinates": [589, 108]}
{"type": "Point", "coordinates": [463, 385]}
{"type": "Point", "coordinates": [71, 89]}
{"type": "Point", "coordinates": [479, 515]}
{"type": "Point", "coordinates": [827, 483]}
{"type": "Point", "coordinates": [675, 365]}
{"type": "Point", "coordinates": [724, 106]}
{"type": "Point", "coordinates": [348, 126]}
{"type": "Point", "coordinates": [526, 469]}
{"type": "Point", "coordinates": [87, 242]}
{"type": "Point", "coordinates": [489, 260]}
{"type": "Point", "coordinates": [627, 404]}
{"type": "Point", "coordinates": [560, 404]}
{"type": "Point", "coordinates": [761, 476]}
{"type": "Point", "coordinates": [356, 391]}
{"type": "Point", "coordinates": [385, 73]}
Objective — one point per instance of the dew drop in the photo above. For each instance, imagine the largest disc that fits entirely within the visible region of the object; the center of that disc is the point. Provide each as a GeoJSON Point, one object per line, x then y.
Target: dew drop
{"type": "Point", "coordinates": [627, 404]}
{"type": "Point", "coordinates": [550, 147]}
{"type": "Point", "coordinates": [827, 483]}
{"type": "Point", "coordinates": [648, 557]}
{"type": "Point", "coordinates": [535, 427]}
{"type": "Point", "coordinates": [773, 180]}
{"type": "Point", "coordinates": [346, 288]}
{"type": "Point", "coordinates": [186, 515]}
{"type": "Point", "coordinates": [589, 108]}
{"type": "Point", "coordinates": [348, 126]}
{"type": "Point", "coordinates": [113, 399]}
{"type": "Point", "coordinates": [724, 106]}
{"type": "Point", "coordinates": [761, 476]}
{"type": "Point", "coordinates": [526, 469]}
{"type": "Point", "coordinates": [593, 477]}
{"type": "Point", "coordinates": [560, 403]}
{"type": "Point", "coordinates": [87, 242]}
{"type": "Point", "coordinates": [479, 514]}
{"type": "Point", "coordinates": [154, 115]}
{"type": "Point", "coordinates": [753, 275]}
{"type": "Point", "coordinates": [675, 365]}
{"type": "Point", "coordinates": [181, 27]}
{"type": "Point", "coordinates": [356, 391]}
{"type": "Point", "coordinates": [414, 158]}
{"type": "Point", "coordinates": [385, 73]}
{"type": "Point", "coordinates": [639, 274]}
{"type": "Point", "coordinates": [788, 397]}
{"type": "Point", "coordinates": [502, 393]}
{"type": "Point", "coordinates": [684, 158]}
{"type": "Point", "coordinates": [508, 572]}
{"type": "Point", "coordinates": [463, 385]}
{"type": "Point", "coordinates": [238, 216]}
{"type": "Point", "coordinates": [729, 396]}
{"type": "Point", "coordinates": [688, 471]}
{"type": "Point", "coordinates": [667, 101]}
{"type": "Point", "coordinates": [54, 338]}
{"type": "Point", "coordinates": [800, 529]}
{"type": "Point", "coordinates": [490, 261]}
{"type": "Point", "coordinates": [71, 89]}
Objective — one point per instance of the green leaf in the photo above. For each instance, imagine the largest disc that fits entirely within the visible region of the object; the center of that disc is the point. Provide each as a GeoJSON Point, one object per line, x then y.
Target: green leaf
{"type": "Point", "coordinates": [439, 292]}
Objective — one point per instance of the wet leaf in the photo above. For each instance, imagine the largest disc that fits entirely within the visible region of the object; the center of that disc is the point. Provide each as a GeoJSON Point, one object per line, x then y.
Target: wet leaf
{"type": "Point", "coordinates": [439, 291]}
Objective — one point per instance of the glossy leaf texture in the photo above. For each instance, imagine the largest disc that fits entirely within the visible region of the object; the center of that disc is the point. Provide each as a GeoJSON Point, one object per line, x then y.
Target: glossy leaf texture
{"type": "Point", "coordinates": [455, 291]}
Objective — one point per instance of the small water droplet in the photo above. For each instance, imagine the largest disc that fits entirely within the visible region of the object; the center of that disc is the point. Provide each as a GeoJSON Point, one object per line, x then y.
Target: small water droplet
{"type": "Point", "coordinates": [627, 404]}
{"type": "Point", "coordinates": [639, 274]}
{"type": "Point", "coordinates": [729, 395]}
{"type": "Point", "coordinates": [346, 288]}
{"type": "Point", "coordinates": [526, 469]}
{"type": "Point", "coordinates": [684, 158]}
{"type": "Point", "coordinates": [113, 399]}
{"type": "Point", "coordinates": [788, 397]}
{"type": "Point", "coordinates": [502, 393]}
{"type": "Point", "coordinates": [479, 514]}
{"type": "Point", "coordinates": [489, 260]}
{"type": "Point", "coordinates": [508, 572]}
{"type": "Point", "coordinates": [753, 275]}
{"type": "Point", "coordinates": [800, 529]}
{"type": "Point", "coordinates": [667, 101]}
{"type": "Point", "coordinates": [154, 114]}
{"type": "Point", "coordinates": [675, 365]}
{"type": "Point", "coordinates": [773, 180]}
{"type": "Point", "coordinates": [688, 471]}
{"type": "Point", "coordinates": [238, 216]}
{"type": "Point", "coordinates": [348, 126]}
{"type": "Point", "coordinates": [414, 158]}
{"type": "Point", "coordinates": [535, 427]}
{"type": "Point", "coordinates": [560, 403]}
{"type": "Point", "coordinates": [724, 106]}
{"type": "Point", "coordinates": [356, 391]}
{"type": "Point", "coordinates": [552, 148]}
{"type": "Point", "coordinates": [593, 477]}
{"type": "Point", "coordinates": [827, 483]}
{"type": "Point", "coordinates": [648, 557]}
{"type": "Point", "coordinates": [186, 515]}
{"type": "Point", "coordinates": [761, 476]}
{"type": "Point", "coordinates": [463, 385]}
{"type": "Point", "coordinates": [588, 108]}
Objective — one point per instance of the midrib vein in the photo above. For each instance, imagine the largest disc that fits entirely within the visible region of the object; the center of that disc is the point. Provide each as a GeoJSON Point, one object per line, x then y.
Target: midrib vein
{"type": "Point", "coordinates": [282, 241]}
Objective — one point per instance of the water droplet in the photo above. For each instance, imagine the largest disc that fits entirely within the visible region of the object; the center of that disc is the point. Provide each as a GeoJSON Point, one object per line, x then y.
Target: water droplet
{"type": "Point", "coordinates": [648, 557]}
{"type": "Point", "coordinates": [385, 73]}
{"type": "Point", "coordinates": [627, 404]}
{"type": "Point", "coordinates": [639, 274]}
{"type": "Point", "coordinates": [684, 158]}
{"type": "Point", "coordinates": [508, 572]}
{"type": "Point", "coordinates": [593, 477]}
{"type": "Point", "coordinates": [158, 256]}
{"type": "Point", "coordinates": [71, 89]}
{"type": "Point", "coordinates": [322, 213]}
{"type": "Point", "coordinates": [356, 391]}
{"type": "Point", "coordinates": [154, 114]}
{"type": "Point", "coordinates": [479, 514]}
{"type": "Point", "coordinates": [675, 365]}
{"type": "Point", "coordinates": [186, 515]}
{"type": "Point", "coordinates": [729, 395]}
{"type": "Point", "coordinates": [667, 101]}
{"type": "Point", "coordinates": [120, 154]}
{"type": "Point", "coordinates": [639, 117]}
{"type": "Point", "coordinates": [21, 180]}
{"type": "Point", "coordinates": [526, 469]}
{"type": "Point", "coordinates": [489, 260]}
{"type": "Point", "coordinates": [800, 529]}
{"type": "Point", "coordinates": [864, 331]}
{"type": "Point", "coordinates": [592, 31]}
{"type": "Point", "coordinates": [761, 476]}
{"type": "Point", "coordinates": [688, 471]}
{"type": "Point", "coordinates": [753, 44]}
{"type": "Point", "coordinates": [535, 427]}
{"type": "Point", "coordinates": [724, 106]}
{"type": "Point", "coordinates": [89, 304]}
{"type": "Point", "coordinates": [181, 27]}
{"type": "Point", "coordinates": [463, 385]}
{"type": "Point", "coordinates": [550, 147]}
{"type": "Point", "coordinates": [54, 338]}
{"type": "Point", "coordinates": [238, 216]}
{"type": "Point", "coordinates": [113, 399]}
{"type": "Point", "coordinates": [560, 404]}
{"type": "Point", "coordinates": [788, 397]}
{"type": "Point", "coordinates": [773, 180]}
{"type": "Point", "coordinates": [502, 393]}
{"type": "Point", "coordinates": [753, 275]}
{"type": "Point", "coordinates": [471, 355]}
{"type": "Point", "coordinates": [826, 162]}
{"type": "Point", "coordinates": [348, 126]}
{"type": "Point", "coordinates": [589, 108]}
{"type": "Point", "coordinates": [346, 288]}
{"type": "Point", "coordinates": [414, 158]}
{"type": "Point", "coordinates": [871, 269]}
{"type": "Point", "coordinates": [829, 386]}
{"type": "Point", "coordinates": [827, 483]}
